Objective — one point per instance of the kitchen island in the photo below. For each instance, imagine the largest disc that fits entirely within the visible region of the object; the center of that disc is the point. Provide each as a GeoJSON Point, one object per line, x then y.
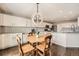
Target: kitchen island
{"type": "Point", "coordinates": [66, 39]}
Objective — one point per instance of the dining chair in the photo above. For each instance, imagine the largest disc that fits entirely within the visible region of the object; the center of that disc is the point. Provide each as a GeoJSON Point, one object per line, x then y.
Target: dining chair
{"type": "Point", "coordinates": [24, 49]}
{"type": "Point", "coordinates": [31, 39]}
{"type": "Point", "coordinates": [44, 48]}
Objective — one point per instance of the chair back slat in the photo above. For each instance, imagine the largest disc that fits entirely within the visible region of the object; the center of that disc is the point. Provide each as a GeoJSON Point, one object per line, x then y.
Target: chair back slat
{"type": "Point", "coordinates": [48, 40]}
{"type": "Point", "coordinates": [19, 44]}
{"type": "Point", "coordinates": [18, 39]}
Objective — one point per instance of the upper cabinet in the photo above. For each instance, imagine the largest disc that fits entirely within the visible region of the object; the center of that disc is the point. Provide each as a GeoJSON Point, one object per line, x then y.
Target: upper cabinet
{"type": "Point", "coordinates": [8, 20]}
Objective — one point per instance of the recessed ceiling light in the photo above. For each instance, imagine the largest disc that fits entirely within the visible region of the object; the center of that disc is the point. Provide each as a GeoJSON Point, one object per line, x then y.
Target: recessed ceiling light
{"type": "Point", "coordinates": [65, 16]}
{"type": "Point", "coordinates": [70, 12]}
{"type": "Point", "coordinates": [61, 11]}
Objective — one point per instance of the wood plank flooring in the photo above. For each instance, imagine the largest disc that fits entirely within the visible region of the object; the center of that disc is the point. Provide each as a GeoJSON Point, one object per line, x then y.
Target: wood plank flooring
{"type": "Point", "coordinates": [56, 50]}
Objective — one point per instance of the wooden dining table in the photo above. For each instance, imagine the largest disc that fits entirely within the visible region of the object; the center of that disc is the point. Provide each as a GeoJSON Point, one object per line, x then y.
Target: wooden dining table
{"type": "Point", "coordinates": [35, 39]}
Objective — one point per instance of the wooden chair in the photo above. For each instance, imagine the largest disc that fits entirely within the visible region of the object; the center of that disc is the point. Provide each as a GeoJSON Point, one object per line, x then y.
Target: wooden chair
{"type": "Point", "coordinates": [31, 39]}
{"type": "Point", "coordinates": [44, 47]}
{"type": "Point", "coordinates": [24, 49]}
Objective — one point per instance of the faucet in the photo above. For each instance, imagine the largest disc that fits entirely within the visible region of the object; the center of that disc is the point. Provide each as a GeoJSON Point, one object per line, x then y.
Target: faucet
{"type": "Point", "coordinates": [73, 28]}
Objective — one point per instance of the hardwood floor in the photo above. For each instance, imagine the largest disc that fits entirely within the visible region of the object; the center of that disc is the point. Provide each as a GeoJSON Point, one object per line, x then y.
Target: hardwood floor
{"type": "Point", "coordinates": [13, 51]}
{"type": "Point", "coordinates": [56, 50]}
{"type": "Point", "coordinates": [62, 51]}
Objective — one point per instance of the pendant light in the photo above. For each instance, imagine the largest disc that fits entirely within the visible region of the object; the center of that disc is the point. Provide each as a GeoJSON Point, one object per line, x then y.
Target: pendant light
{"type": "Point", "coordinates": [37, 18]}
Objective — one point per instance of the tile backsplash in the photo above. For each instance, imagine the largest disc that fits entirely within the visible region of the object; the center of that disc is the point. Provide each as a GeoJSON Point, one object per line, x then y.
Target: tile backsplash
{"type": "Point", "coordinates": [70, 29]}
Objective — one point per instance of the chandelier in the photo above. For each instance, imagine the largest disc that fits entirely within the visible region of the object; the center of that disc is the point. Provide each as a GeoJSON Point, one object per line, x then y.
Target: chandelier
{"type": "Point", "coordinates": [37, 18]}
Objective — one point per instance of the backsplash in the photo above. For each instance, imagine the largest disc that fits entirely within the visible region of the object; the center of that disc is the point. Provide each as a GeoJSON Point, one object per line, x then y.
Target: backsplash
{"type": "Point", "coordinates": [67, 27]}
{"type": "Point", "coordinates": [70, 29]}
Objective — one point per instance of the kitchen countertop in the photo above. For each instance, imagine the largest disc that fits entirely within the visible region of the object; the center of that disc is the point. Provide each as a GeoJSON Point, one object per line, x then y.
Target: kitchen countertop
{"type": "Point", "coordinates": [65, 32]}
{"type": "Point", "coordinates": [16, 29]}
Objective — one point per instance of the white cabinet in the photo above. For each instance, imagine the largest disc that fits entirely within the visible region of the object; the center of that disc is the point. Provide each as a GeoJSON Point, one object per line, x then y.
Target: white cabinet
{"type": "Point", "coordinates": [8, 20]}
{"type": "Point", "coordinates": [9, 40]}
{"type": "Point", "coordinates": [66, 39]}
{"type": "Point", "coordinates": [72, 40]}
{"type": "Point", "coordinates": [59, 38]}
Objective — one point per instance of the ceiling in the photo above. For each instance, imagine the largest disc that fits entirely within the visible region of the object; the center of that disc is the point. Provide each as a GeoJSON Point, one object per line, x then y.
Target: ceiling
{"type": "Point", "coordinates": [51, 12]}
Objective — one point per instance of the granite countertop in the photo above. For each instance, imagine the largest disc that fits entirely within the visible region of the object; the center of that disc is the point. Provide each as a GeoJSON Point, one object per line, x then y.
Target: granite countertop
{"type": "Point", "coordinates": [65, 32]}
{"type": "Point", "coordinates": [15, 29]}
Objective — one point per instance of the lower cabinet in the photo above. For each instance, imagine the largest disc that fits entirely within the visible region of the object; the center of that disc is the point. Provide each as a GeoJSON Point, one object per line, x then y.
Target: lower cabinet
{"type": "Point", "coordinates": [9, 40]}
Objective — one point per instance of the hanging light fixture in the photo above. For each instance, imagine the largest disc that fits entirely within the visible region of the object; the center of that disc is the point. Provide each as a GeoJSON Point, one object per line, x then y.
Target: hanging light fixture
{"type": "Point", "coordinates": [37, 18]}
